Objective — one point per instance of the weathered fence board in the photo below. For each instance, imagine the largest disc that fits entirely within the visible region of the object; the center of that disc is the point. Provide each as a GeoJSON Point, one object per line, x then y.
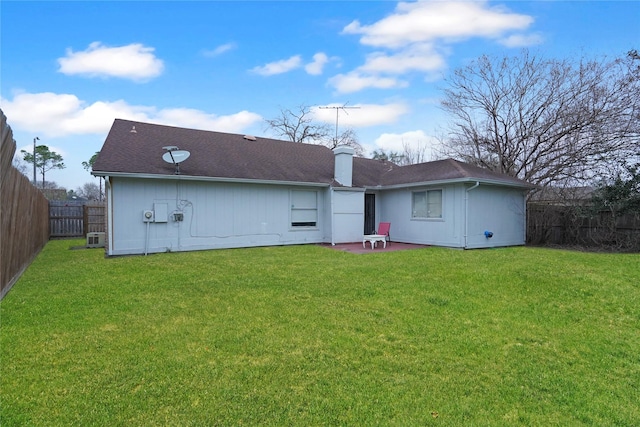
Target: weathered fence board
{"type": "Point", "coordinates": [24, 213]}
{"type": "Point", "coordinates": [577, 225]}
{"type": "Point", "coordinates": [65, 220]}
{"type": "Point", "coordinates": [74, 219]}
{"type": "Point", "coordinates": [94, 218]}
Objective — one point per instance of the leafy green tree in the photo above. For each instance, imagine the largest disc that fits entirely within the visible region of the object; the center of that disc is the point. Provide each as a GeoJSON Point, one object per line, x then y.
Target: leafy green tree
{"type": "Point", "coordinates": [88, 166]}
{"type": "Point", "coordinates": [45, 160]}
{"type": "Point", "coordinates": [622, 195]}
{"type": "Point", "coordinates": [614, 203]}
{"type": "Point", "coordinates": [391, 156]}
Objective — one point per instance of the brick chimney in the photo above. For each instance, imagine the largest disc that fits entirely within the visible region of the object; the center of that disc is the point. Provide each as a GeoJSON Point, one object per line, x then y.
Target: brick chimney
{"type": "Point", "coordinates": [343, 170]}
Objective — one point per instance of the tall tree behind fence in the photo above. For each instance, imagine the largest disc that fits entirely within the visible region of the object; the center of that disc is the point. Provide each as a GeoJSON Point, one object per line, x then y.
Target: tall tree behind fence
{"type": "Point", "coordinates": [24, 215]}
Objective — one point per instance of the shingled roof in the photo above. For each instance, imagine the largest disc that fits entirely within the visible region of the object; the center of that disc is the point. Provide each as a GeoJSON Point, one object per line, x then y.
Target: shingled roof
{"type": "Point", "coordinates": [439, 170]}
{"type": "Point", "coordinates": [136, 148]}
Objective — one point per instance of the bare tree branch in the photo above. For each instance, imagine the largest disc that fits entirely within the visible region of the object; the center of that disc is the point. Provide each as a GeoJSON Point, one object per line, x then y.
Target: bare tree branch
{"type": "Point", "coordinates": [299, 126]}
{"type": "Point", "coordinates": [544, 121]}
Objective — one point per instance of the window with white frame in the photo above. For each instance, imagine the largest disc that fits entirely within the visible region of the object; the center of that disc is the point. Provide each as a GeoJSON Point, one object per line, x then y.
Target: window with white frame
{"type": "Point", "coordinates": [426, 204]}
{"type": "Point", "coordinates": [304, 208]}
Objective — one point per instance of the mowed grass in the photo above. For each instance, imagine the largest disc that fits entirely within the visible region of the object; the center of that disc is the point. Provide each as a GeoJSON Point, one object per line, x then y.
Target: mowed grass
{"type": "Point", "coordinates": [308, 336]}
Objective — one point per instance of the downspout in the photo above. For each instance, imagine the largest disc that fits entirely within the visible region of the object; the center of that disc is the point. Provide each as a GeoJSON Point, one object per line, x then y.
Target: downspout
{"type": "Point", "coordinates": [466, 211]}
{"type": "Point", "coordinates": [524, 200]}
{"type": "Point", "coordinates": [333, 243]}
{"type": "Point", "coordinates": [109, 208]}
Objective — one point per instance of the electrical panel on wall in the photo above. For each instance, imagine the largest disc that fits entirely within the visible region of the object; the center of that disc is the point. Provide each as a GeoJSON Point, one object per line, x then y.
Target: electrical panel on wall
{"type": "Point", "coordinates": [161, 211]}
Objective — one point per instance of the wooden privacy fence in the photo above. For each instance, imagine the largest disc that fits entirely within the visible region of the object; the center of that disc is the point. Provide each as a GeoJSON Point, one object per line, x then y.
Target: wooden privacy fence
{"type": "Point", "coordinates": [74, 219]}
{"type": "Point", "coordinates": [579, 225]}
{"type": "Point", "coordinates": [24, 215]}
{"type": "Point", "coordinates": [95, 217]}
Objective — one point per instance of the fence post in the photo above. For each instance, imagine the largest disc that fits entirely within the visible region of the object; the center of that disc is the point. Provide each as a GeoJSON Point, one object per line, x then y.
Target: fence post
{"type": "Point", "coordinates": [85, 219]}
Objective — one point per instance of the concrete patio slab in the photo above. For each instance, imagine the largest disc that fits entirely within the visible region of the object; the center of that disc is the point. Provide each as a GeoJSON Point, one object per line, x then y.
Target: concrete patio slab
{"type": "Point", "coordinates": [356, 247]}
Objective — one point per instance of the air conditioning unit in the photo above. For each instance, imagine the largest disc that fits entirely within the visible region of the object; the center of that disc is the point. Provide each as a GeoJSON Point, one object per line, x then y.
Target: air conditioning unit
{"type": "Point", "coordinates": [95, 240]}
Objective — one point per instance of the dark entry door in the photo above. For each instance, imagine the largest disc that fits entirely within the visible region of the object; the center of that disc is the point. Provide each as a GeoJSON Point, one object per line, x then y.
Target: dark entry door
{"type": "Point", "coordinates": [369, 213]}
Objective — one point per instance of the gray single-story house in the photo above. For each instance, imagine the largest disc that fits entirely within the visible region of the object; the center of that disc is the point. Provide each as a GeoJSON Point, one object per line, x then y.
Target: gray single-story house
{"type": "Point", "coordinates": [234, 191]}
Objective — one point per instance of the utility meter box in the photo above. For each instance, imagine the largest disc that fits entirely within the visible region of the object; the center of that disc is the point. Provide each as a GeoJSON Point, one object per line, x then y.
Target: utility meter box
{"type": "Point", "coordinates": [147, 216]}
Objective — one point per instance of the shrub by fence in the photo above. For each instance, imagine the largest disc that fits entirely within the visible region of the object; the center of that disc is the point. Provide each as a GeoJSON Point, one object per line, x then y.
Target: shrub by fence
{"type": "Point", "coordinates": [578, 225]}
{"type": "Point", "coordinates": [24, 215]}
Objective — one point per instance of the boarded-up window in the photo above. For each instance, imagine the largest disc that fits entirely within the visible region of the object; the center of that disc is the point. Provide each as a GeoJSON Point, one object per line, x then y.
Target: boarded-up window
{"type": "Point", "coordinates": [304, 208]}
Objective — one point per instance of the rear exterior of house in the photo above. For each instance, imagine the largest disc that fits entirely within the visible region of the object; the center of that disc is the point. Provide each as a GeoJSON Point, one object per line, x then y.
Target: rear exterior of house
{"type": "Point", "coordinates": [235, 191]}
{"type": "Point", "coordinates": [463, 215]}
{"type": "Point", "coordinates": [195, 215]}
{"type": "Point", "coordinates": [192, 215]}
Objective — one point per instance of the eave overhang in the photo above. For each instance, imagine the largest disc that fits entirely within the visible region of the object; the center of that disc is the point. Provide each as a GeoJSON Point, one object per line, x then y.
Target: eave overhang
{"type": "Point", "coordinates": [208, 179]}
{"type": "Point", "coordinates": [485, 181]}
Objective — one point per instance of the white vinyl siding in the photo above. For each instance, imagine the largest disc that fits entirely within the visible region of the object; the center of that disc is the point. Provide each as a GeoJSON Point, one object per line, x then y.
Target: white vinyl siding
{"type": "Point", "coordinates": [304, 208]}
{"type": "Point", "coordinates": [426, 204]}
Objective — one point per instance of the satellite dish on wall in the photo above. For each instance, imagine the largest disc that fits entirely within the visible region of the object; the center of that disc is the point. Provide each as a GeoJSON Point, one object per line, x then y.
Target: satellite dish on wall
{"type": "Point", "coordinates": [175, 156]}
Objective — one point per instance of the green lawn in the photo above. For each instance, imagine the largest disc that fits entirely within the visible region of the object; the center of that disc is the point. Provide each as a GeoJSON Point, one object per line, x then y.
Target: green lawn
{"type": "Point", "coordinates": [309, 336]}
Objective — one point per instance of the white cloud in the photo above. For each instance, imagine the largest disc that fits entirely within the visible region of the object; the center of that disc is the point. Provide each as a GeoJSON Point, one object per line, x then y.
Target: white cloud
{"type": "Point", "coordinates": [196, 119]}
{"type": "Point", "coordinates": [355, 81]}
{"type": "Point", "coordinates": [380, 69]}
{"type": "Point", "coordinates": [220, 50]}
{"type": "Point", "coordinates": [426, 21]}
{"type": "Point", "coordinates": [376, 71]}
{"type": "Point", "coordinates": [521, 40]}
{"type": "Point", "coordinates": [315, 68]}
{"type": "Point", "coordinates": [419, 57]}
{"type": "Point", "coordinates": [417, 144]}
{"type": "Point", "coordinates": [397, 141]}
{"type": "Point", "coordinates": [415, 38]}
{"type": "Point", "coordinates": [363, 115]}
{"type": "Point", "coordinates": [279, 67]}
{"type": "Point", "coordinates": [134, 62]}
{"type": "Point", "coordinates": [57, 115]}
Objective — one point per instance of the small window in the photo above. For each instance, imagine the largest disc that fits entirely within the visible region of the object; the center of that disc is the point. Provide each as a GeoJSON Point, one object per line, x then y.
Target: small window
{"type": "Point", "coordinates": [427, 204]}
{"type": "Point", "coordinates": [304, 208]}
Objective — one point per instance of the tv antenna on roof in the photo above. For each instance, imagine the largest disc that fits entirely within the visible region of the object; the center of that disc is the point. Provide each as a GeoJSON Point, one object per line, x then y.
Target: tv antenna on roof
{"type": "Point", "coordinates": [175, 156]}
{"type": "Point", "coordinates": [338, 108]}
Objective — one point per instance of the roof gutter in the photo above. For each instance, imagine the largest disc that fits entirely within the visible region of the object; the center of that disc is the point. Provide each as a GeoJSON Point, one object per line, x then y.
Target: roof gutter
{"type": "Point", "coordinates": [451, 181]}
{"type": "Point", "coordinates": [208, 179]}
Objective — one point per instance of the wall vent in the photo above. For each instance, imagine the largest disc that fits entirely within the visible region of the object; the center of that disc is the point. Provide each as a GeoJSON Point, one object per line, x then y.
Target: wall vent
{"type": "Point", "coordinates": [95, 240]}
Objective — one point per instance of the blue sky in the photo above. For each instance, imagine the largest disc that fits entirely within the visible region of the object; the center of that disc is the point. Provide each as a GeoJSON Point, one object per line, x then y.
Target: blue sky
{"type": "Point", "coordinates": [68, 69]}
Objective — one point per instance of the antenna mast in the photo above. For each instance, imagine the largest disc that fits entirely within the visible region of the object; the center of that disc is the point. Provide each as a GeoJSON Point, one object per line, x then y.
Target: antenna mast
{"type": "Point", "coordinates": [338, 108]}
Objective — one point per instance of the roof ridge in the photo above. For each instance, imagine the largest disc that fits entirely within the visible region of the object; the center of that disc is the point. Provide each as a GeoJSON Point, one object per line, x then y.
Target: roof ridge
{"type": "Point", "coordinates": [228, 155]}
{"type": "Point", "coordinates": [458, 166]}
